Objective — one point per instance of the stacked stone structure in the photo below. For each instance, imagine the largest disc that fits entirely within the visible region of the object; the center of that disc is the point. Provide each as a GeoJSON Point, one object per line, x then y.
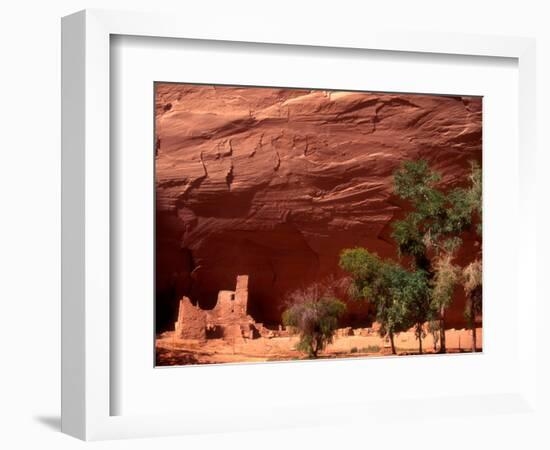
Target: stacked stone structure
{"type": "Point", "coordinates": [227, 320]}
{"type": "Point", "coordinates": [191, 323]}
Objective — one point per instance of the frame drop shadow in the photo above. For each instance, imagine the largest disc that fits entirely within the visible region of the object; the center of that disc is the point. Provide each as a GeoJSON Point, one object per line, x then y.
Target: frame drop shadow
{"type": "Point", "coordinates": [51, 422]}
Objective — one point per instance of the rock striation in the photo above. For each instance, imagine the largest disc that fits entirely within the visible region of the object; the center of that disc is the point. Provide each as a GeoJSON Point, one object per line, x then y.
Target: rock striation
{"type": "Point", "coordinates": [276, 182]}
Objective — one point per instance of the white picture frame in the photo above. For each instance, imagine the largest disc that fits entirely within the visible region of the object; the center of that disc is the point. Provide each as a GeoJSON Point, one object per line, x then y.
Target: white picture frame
{"type": "Point", "coordinates": [86, 222]}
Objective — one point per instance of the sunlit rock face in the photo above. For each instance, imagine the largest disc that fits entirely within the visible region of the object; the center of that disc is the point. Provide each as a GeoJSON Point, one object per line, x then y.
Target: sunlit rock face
{"type": "Point", "coordinates": [274, 183]}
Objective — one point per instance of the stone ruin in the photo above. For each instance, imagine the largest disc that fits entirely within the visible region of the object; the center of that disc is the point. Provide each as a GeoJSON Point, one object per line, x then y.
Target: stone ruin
{"type": "Point", "coordinates": [227, 320]}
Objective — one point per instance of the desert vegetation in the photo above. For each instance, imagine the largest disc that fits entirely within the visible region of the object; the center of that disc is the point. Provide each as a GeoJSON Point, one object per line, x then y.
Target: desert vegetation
{"type": "Point", "coordinates": [302, 223]}
{"type": "Point", "coordinates": [419, 289]}
{"type": "Point", "coordinates": [313, 313]}
{"type": "Point", "coordinates": [416, 291]}
{"type": "Point", "coordinates": [472, 274]}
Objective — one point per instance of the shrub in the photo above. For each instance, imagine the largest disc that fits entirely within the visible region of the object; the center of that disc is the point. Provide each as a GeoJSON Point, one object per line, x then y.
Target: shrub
{"type": "Point", "coordinates": [371, 349]}
{"type": "Point", "coordinates": [314, 313]}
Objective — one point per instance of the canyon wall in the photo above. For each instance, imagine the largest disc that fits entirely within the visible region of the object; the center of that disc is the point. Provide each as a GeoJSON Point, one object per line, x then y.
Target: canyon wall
{"type": "Point", "coordinates": [274, 183]}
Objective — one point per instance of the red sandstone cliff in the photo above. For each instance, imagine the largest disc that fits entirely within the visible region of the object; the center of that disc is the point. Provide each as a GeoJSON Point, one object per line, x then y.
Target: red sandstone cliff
{"type": "Point", "coordinates": [274, 183]}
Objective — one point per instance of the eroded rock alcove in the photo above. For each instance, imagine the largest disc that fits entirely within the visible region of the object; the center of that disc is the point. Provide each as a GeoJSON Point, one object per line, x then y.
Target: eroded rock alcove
{"type": "Point", "coordinates": [274, 183]}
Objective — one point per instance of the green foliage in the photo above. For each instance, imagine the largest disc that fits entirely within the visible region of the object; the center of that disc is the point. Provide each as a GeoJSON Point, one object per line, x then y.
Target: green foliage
{"type": "Point", "coordinates": [414, 294]}
{"type": "Point", "coordinates": [430, 233]}
{"type": "Point", "coordinates": [446, 276]}
{"type": "Point", "coordinates": [473, 285]}
{"type": "Point", "coordinates": [437, 218]}
{"type": "Point", "coordinates": [398, 295]}
{"type": "Point", "coordinates": [458, 214]}
{"type": "Point", "coordinates": [472, 273]}
{"type": "Point", "coordinates": [414, 181]}
{"type": "Point", "coordinates": [314, 312]}
{"type": "Point", "coordinates": [475, 197]}
{"type": "Point", "coordinates": [409, 238]}
{"type": "Point", "coordinates": [473, 288]}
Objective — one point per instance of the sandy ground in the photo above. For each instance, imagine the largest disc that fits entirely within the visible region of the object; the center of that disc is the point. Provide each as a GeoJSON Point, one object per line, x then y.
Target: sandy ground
{"type": "Point", "coordinates": [171, 351]}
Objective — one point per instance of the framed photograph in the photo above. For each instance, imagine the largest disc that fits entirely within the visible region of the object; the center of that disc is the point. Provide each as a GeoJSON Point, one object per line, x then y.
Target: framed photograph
{"type": "Point", "coordinates": [305, 223]}
{"type": "Point", "coordinates": [279, 228]}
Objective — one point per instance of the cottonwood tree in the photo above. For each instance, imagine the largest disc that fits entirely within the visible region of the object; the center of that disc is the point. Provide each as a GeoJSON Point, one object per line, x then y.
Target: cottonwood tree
{"type": "Point", "coordinates": [447, 276]}
{"type": "Point", "coordinates": [430, 233]}
{"type": "Point", "coordinates": [475, 198]}
{"type": "Point", "coordinates": [397, 295]}
{"type": "Point", "coordinates": [433, 329]}
{"type": "Point", "coordinates": [473, 274]}
{"type": "Point", "coordinates": [314, 312]}
{"type": "Point", "coordinates": [473, 288]}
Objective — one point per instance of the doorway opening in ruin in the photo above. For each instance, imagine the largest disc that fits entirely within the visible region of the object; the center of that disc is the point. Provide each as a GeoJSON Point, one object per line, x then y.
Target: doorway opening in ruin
{"type": "Point", "coordinates": [214, 332]}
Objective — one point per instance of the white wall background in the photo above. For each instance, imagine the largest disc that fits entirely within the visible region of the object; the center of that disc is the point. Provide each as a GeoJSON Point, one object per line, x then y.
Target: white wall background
{"type": "Point", "coordinates": [30, 197]}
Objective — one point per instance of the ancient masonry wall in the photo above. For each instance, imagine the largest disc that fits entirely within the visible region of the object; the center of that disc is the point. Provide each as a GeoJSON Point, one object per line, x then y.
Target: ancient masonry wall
{"type": "Point", "coordinates": [241, 295]}
{"type": "Point", "coordinates": [228, 319]}
{"type": "Point", "coordinates": [191, 323]}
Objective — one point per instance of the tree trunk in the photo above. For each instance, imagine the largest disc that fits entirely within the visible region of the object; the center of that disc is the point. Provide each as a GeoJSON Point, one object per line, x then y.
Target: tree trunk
{"type": "Point", "coordinates": [419, 336]}
{"type": "Point", "coordinates": [392, 344]}
{"type": "Point", "coordinates": [472, 315]}
{"type": "Point", "coordinates": [442, 341]}
{"type": "Point", "coordinates": [313, 349]}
